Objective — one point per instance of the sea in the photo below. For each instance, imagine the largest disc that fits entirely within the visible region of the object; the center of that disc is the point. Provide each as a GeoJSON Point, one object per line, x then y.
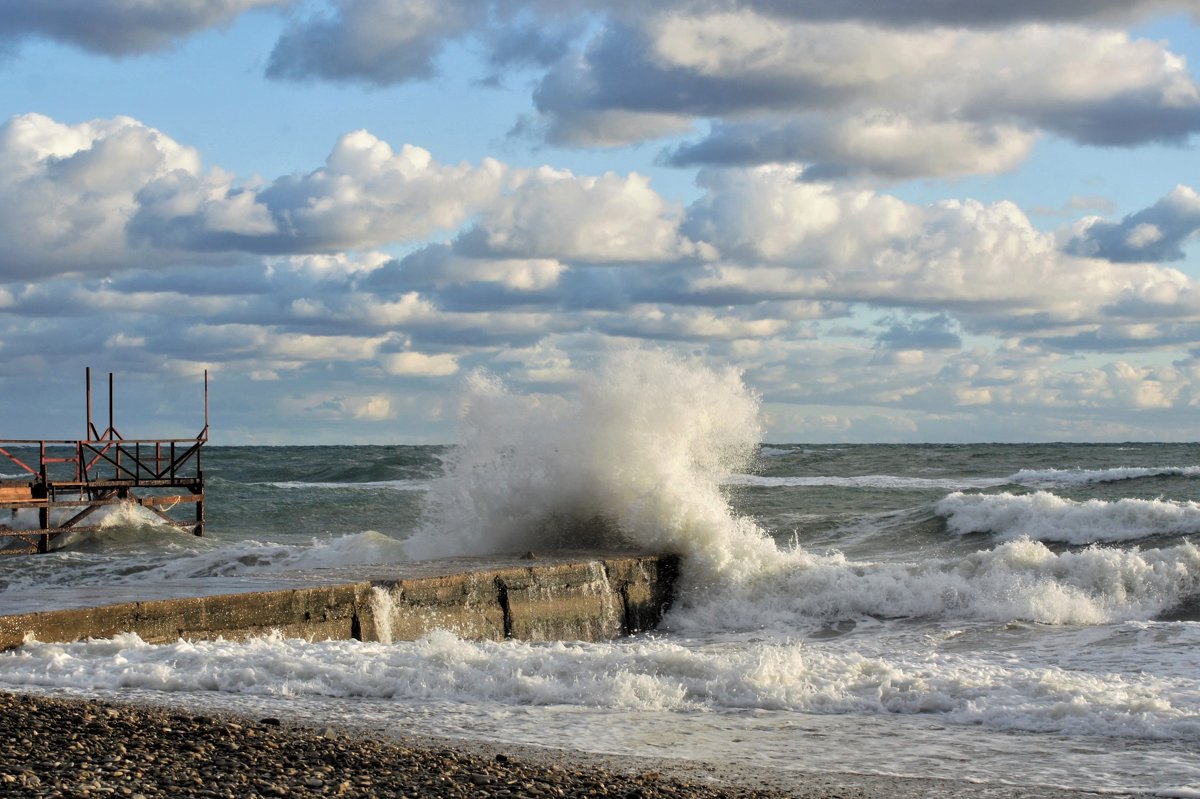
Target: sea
{"type": "Point", "coordinates": [1001, 614]}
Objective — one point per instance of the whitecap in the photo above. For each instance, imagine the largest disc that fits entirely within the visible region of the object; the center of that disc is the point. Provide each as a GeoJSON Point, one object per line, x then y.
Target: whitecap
{"type": "Point", "coordinates": [1047, 517]}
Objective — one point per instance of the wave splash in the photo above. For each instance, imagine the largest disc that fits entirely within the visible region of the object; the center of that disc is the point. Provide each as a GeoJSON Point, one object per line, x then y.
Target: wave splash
{"type": "Point", "coordinates": [637, 456]}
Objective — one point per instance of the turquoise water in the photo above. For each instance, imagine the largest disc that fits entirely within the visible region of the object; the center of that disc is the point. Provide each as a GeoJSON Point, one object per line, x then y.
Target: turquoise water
{"type": "Point", "coordinates": [1023, 614]}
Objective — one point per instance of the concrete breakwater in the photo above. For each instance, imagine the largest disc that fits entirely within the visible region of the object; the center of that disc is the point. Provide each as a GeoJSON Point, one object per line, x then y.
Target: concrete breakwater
{"type": "Point", "coordinates": [572, 599]}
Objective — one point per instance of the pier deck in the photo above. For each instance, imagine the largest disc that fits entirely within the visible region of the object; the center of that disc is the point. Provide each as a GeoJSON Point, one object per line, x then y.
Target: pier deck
{"type": "Point", "coordinates": [65, 481]}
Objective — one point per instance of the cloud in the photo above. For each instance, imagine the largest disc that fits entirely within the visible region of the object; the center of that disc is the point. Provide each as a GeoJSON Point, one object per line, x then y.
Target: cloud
{"type": "Point", "coordinates": [419, 364]}
{"type": "Point", "coordinates": [932, 332]}
{"type": "Point", "coordinates": [385, 42]}
{"type": "Point", "coordinates": [884, 144]}
{"type": "Point", "coordinates": [121, 27]}
{"type": "Point", "coordinates": [377, 42]}
{"type": "Point", "coordinates": [778, 237]}
{"type": "Point", "coordinates": [981, 13]}
{"type": "Point", "coordinates": [554, 214]}
{"type": "Point", "coordinates": [1155, 234]}
{"type": "Point", "coordinates": [365, 195]}
{"type": "Point", "coordinates": [67, 192]}
{"type": "Point", "coordinates": [849, 98]}
{"type": "Point", "coordinates": [110, 195]}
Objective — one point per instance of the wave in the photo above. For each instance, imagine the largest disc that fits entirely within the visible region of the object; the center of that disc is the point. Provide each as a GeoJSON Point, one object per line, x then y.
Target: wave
{"type": "Point", "coordinates": [167, 557]}
{"type": "Point", "coordinates": [765, 451]}
{"type": "Point", "coordinates": [636, 456]}
{"type": "Point", "coordinates": [1021, 580]}
{"type": "Point", "coordinates": [641, 675]}
{"type": "Point", "coordinates": [1047, 517]}
{"type": "Point", "coordinates": [374, 485]}
{"type": "Point", "coordinates": [250, 558]}
{"type": "Point", "coordinates": [1025, 477]}
{"type": "Point", "coordinates": [1033, 477]}
{"type": "Point", "coordinates": [866, 481]}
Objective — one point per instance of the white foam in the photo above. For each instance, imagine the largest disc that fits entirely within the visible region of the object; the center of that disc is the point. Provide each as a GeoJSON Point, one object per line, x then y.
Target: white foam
{"type": "Point", "coordinates": [1033, 477]}
{"type": "Point", "coordinates": [1018, 580]}
{"type": "Point", "coordinates": [641, 675]}
{"type": "Point", "coordinates": [245, 558]}
{"type": "Point", "coordinates": [637, 453]}
{"type": "Point", "coordinates": [865, 481]}
{"type": "Point", "coordinates": [375, 485]}
{"type": "Point", "coordinates": [773, 452]}
{"type": "Point", "coordinates": [1048, 517]}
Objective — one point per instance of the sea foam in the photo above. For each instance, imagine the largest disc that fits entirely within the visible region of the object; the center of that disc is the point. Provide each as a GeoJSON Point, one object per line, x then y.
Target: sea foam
{"type": "Point", "coordinates": [1020, 580]}
{"type": "Point", "coordinates": [1048, 517]}
{"type": "Point", "coordinates": [642, 675]}
{"type": "Point", "coordinates": [885, 481]}
{"type": "Point", "coordinates": [1033, 477]}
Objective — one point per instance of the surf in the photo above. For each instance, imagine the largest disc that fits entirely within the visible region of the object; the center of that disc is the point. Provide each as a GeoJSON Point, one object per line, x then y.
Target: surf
{"type": "Point", "coordinates": [1044, 516]}
{"type": "Point", "coordinates": [636, 456]}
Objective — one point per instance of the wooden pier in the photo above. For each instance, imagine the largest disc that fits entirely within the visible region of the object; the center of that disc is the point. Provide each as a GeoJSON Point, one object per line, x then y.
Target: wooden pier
{"type": "Point", "coordinates": [66, 481]}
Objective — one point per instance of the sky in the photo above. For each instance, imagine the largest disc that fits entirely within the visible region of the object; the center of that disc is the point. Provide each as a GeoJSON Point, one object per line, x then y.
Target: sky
{"type": "Point", "coordinates": [930, 221]}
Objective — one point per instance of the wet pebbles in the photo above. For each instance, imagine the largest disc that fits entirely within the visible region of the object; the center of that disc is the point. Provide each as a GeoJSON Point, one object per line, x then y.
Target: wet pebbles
{"type": "Point", "coordinates": [76, 748]}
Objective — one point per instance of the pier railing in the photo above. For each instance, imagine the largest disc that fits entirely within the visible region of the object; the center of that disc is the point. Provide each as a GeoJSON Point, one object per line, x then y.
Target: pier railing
{"type": "Point", "coordinates": [121, 459]}
{"type": "Point", "coordinates": [66, 480]}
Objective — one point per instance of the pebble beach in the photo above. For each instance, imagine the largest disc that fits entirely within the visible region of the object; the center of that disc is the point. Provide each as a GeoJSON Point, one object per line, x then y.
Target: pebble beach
{"type": "Point", "coordinates": [56, 747]}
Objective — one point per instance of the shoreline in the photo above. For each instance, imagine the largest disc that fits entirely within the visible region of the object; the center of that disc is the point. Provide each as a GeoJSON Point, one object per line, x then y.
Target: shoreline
{"type": "Point", "coordinates": [67, 746]}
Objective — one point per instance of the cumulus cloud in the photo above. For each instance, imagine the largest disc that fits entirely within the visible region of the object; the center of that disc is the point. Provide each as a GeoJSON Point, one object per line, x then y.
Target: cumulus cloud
{"type": "Point", "coordinates": [121, 27]}
{"type": "Point", "coordinates": [1157, 233]}
{"type": "Point", "coordinates": [365, 195]}
{"type": "Point", "coordinates": [849, 97]}
{"type": "Point", "coordinates": [780, 237]}
{"type": "Point", "coordinates": [553, 213]}
{"type": "Point", "coordinates": [867, 87]}
{"type": "Point", "coordinates": [67, 191]}
{"type": "Point", "coordinates": [886, 144]}
{"type": "Point", "coordinates": [110, 195]}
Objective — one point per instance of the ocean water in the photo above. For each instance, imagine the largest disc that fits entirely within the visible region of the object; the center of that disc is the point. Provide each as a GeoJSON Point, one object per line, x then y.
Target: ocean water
{"type": "Point", "coordinates": [1004, 614]}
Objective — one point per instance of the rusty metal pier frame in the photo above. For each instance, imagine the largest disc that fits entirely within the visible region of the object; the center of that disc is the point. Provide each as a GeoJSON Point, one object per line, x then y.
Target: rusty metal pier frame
{"type": "Point", "coordinates": [66, 481]}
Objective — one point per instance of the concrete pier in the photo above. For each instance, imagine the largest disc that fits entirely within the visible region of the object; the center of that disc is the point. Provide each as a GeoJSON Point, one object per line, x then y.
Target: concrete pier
{"type": "Point", "coordinates": [586, 599]}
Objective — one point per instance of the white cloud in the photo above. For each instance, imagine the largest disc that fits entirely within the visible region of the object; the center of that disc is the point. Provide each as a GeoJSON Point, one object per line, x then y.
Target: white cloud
{"type": "Point", "coordinates": [367, 194]}
{"type": "Point", "coordinates": [373, 408]}
{"type": "Point", "coordinates": [784, 238]}
{"type": "Point", "coordinates": [111, 195]}
{"type": "Point", "coordinates": [554, 214]}
{"type": "Point", "coordinates": [419, 364]}
{"type": "Point", "coordinates": [849, 97]}
{"type": "Point", "coordinates": [67, 191]}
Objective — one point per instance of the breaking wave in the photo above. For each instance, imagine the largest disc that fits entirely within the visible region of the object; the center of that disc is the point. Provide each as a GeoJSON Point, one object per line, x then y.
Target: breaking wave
{"type": "Point", "coordinates": [886, 481]}
{"type": "Point", "coordinates": [1047, 517]}
{"type": "Point", "coordinates": [1021, 580]}
{"type": "Point", "coordinates": [637, 456]}
{"type": "Point", "coordinates": [1033, 477]}
{"type": "Point", "coordinates": [650, 675]}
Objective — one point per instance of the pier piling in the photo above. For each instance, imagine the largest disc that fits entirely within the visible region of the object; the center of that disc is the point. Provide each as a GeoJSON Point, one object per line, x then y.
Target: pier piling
{"type": "Point", "coordinates": [65, 481]}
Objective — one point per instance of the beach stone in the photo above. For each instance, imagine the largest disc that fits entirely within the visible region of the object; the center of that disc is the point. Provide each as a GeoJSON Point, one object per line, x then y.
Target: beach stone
{"type": "Point", "coordinates": [146, 753]}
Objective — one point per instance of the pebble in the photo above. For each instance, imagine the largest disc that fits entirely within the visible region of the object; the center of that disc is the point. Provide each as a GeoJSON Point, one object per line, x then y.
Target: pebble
{"type": "Point", "coordinates": [90, 748]}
